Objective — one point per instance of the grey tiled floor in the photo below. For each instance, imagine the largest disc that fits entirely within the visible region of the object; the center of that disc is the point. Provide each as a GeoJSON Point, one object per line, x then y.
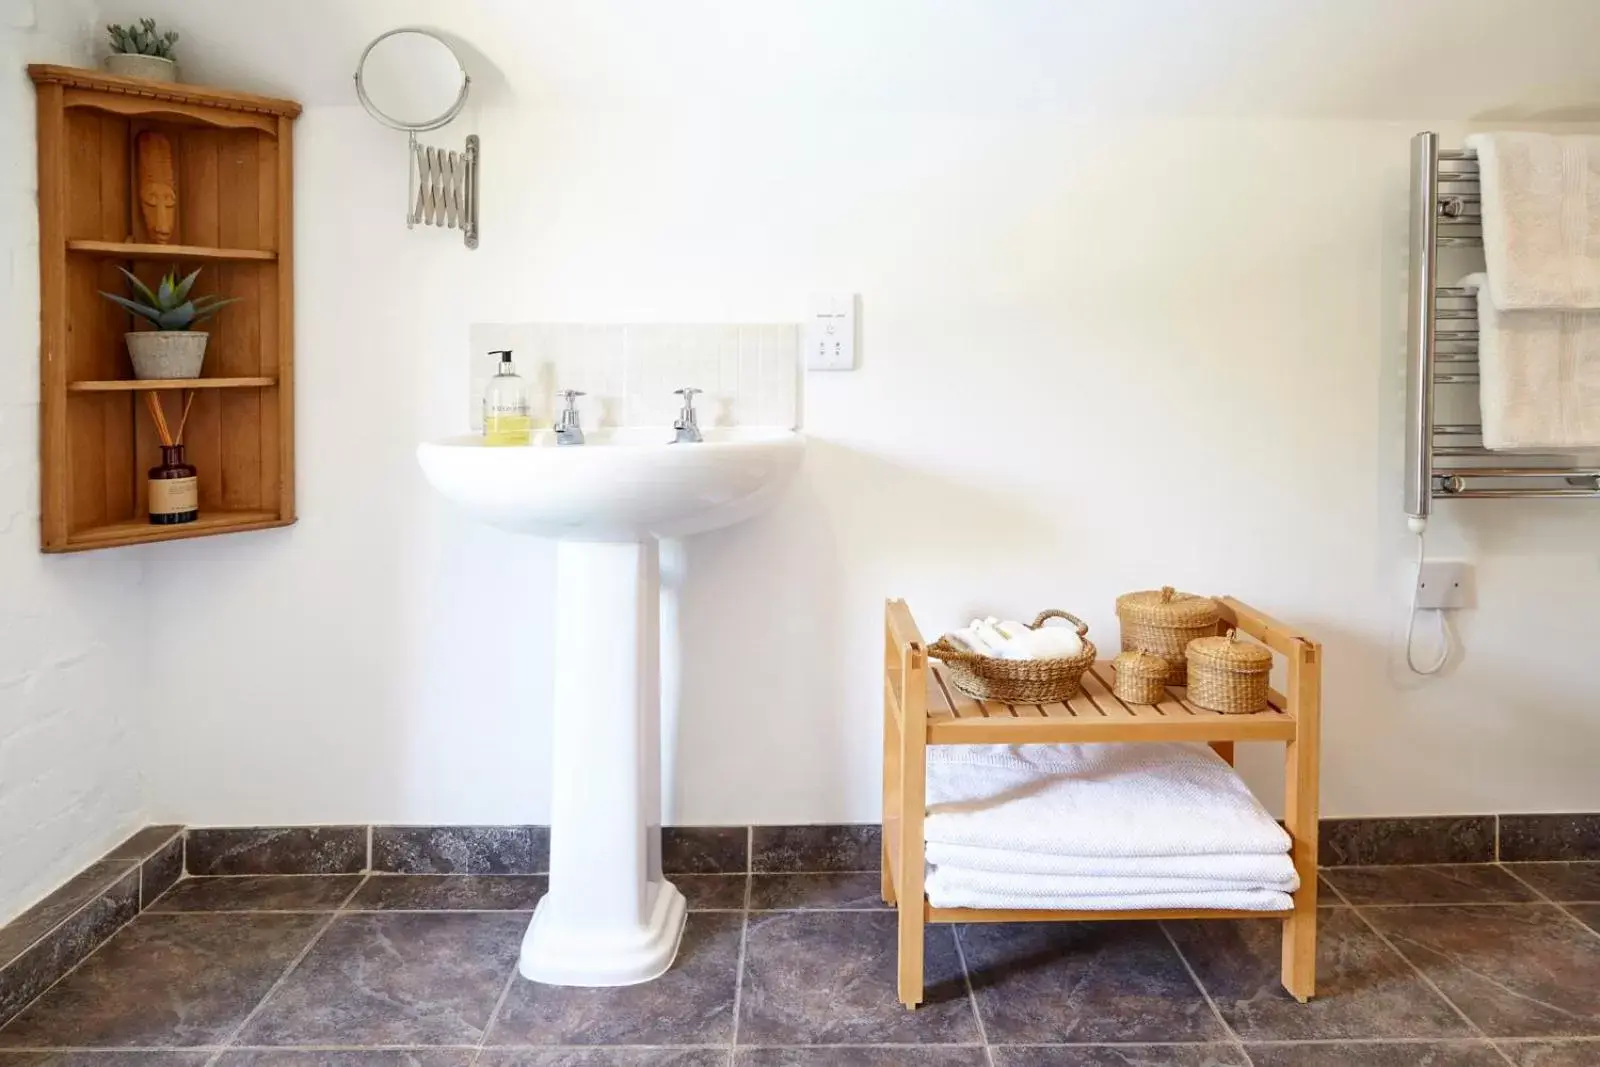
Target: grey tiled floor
{"type": "Point", "coordinates": [1444, 966]}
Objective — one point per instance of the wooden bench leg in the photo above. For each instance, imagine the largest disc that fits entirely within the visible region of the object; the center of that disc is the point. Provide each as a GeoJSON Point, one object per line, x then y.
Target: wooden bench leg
{"type": "Point", "coordinates": [891, 787]}
{"type": "Point", "coordinates": [911, 807]}
{"type": "Point", "coordinates": [1300, 815]}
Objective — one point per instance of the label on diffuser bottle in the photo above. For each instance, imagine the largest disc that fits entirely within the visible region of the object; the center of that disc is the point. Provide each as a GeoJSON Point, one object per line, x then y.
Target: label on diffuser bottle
{"type": "Point", "coordinates": [174, 496]}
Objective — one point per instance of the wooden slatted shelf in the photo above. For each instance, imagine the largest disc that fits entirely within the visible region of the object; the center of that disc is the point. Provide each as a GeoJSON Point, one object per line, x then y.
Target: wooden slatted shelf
{"type": "Point", "coordinates": [127, 385]}
{"type": "Point", "coordinates": [139, 531]}
{"type": "Point", "coordinates": [144, 250]}
{"type": "Point", "coordinates": [233, 178]}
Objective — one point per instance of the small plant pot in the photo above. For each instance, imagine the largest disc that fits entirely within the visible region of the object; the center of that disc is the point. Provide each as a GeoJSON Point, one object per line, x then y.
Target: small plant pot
{"type": "Point", "coordinates": [167, 353]}
{"type": "Point", "coordinates": [150, 68]}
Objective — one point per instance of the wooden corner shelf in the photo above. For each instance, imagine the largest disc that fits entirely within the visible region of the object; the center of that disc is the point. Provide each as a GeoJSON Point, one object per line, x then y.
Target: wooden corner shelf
{"type": "Point", "coordinates": [140, 385]}
{"type": "Point", "coordinates": [143, 250]}
{"type": "Point", "coordinates": [233, 165]}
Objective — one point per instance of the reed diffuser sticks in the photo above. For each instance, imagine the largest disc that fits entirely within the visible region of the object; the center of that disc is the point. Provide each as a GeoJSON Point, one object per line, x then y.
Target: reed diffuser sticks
{"type": "Point", "coordinates": [159, 416]}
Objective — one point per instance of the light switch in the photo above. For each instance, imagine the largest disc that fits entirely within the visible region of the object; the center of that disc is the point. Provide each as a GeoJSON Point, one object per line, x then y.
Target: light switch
{"type": "Point", "coordinates": [830, 342]}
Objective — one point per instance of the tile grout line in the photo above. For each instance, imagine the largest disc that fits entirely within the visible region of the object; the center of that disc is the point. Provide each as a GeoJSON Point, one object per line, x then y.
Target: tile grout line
{"type": "Point", "coordinates": [738, 972]}
{"type": "Point", "coordinates": [1211, 1002]}
{"type": "Point", "coordinates": [273, 989]}
{"type": "Point", "coordinates": [494, 1013]}
{"type": "Point", "coordinates": [70, 970]}
{"type": "Point", "coordinates": [1361, 915]}
{"type": "Point", "coordinates": [972, 998]}
{"type": "Point", "coordinates": [1546, 898]}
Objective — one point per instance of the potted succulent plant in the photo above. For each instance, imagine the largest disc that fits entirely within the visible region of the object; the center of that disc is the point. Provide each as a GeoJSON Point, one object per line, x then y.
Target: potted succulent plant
{"type": "Point", "coordinates": [174, 349]}
{"type": "Point", "coordinates": [140, 52]}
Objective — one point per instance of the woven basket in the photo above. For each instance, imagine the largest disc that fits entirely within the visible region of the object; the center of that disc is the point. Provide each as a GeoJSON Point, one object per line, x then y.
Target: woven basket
{"type": "Point", "coordinates": [1141, 677]}
{"type": "Point", "coordinates": [1010, 681]}
{"type": "Point", "coordinates": [1229, 675]}
{"type": "Point", "coordinates": [1164, 621]}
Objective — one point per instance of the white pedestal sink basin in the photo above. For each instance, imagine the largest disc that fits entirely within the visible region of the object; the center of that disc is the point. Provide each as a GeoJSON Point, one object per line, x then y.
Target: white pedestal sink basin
{"type": "Point", "coordinates": [610, 917]}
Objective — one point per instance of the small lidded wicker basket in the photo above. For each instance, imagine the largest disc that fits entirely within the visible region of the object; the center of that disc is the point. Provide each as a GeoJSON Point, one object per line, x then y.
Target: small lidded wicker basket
{"type": "Point", "coordinates": [1164, 621]}
{"type": "Point", "coordinates": [1229, 675]}
{"type": "Point", "coordinates": [1012, 681]}
{"type": "Point", "coordinates": [1141, 677]}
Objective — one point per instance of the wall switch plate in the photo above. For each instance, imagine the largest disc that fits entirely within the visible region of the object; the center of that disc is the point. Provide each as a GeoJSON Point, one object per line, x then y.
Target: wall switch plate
{"type": "Point", "coordinates": [830, 341]}
{"type": "Point", "coordinates": [1445, 583]}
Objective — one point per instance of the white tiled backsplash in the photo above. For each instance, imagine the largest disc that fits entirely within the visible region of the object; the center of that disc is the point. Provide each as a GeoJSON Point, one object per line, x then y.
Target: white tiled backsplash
{"type": "Point", "coordinates": [750, 374]}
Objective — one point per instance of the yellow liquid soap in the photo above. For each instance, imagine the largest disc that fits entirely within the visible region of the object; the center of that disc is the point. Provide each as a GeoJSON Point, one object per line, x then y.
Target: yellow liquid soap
{"type": "Point", "coordinates": [507, 429]}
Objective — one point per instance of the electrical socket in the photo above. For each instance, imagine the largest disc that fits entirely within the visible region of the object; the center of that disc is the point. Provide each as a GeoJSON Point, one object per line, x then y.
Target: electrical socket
{"type": "Point", "coordinates": [1446, 583]}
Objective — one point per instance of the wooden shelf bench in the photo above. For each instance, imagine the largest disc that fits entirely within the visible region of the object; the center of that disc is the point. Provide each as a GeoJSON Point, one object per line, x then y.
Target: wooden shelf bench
{"type": "Point", "coordinates": [922, 708]}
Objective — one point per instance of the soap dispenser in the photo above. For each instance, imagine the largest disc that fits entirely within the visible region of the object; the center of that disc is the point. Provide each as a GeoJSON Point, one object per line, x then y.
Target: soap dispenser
{"type": "Point", "coordinates": [506, 418]}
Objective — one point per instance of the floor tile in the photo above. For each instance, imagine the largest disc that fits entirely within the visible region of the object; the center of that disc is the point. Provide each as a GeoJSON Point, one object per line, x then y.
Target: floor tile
{"type": "Point", "coordinates": [1450, 883]}
{"type": "Point", "coordinates": [829, 978]}
{"type": "Point", "coordinates": [705, 849]}
{"type": "Point", "coordinates": [26, 929]}
{"type": "Point", "coordinates": [1550, 837]}
{"type": "Point", "coordinates": [1407, 839]}
{"type": "Point", "coordinates": [407, 978]}
{"type": "Point", "coordinates": [712, 892]}
{"type": "Point", "coordinates": [68, 944]}
{"type": "Point", "coordinates": [450, 892]}
{"type": "Point", "coordinates": [276, 850]}
{"type": "Point", "coordinates": [1070, 983]}
{"type": "Point", "coordinates": [604, 1057]}
{"type": "Point", "coordinates": [103, 1059]}
{"type": "Point", "coordinates": [1561, 881]}
{"type": "Point", "coordinates": [345, 1058]}
{"type": "Point", "coordinates": [854, 891]}
{"type": "Point", "coordinates": [692, 1004]}
{"type": "Point", "coordinates": [1588, 914]}
{"type": "Point", "coordinates": [1516, 970]}
{"type": "Point", "coordinates": [1364, 990]}
{"type": "Point", "coordinates": [260, 892]}
{"type": "Point", "coordinates": [841, 847]}
{"type": "Point", "coordinates": [1120, 1056]}
{"type": "Point", "coordinates": [1366, 1054]}
{"type": "Point", "coordinates": [461, 849]}
{"type": "Point", "coordinates": [863, 1056]}
{"type": "Point", "coordinates": [1551, 1053]}
{"type": "Point", "coordinates": [166, 980]}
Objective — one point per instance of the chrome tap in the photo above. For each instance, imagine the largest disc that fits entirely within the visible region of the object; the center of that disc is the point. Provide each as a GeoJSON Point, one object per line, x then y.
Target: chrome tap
{"type": "Point", "coordinates": [568, 429]}
{"type": "Point", "coordinates": [687, 424]}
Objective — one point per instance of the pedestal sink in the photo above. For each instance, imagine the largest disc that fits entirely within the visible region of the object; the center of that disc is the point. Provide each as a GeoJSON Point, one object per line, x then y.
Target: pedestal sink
{"type": "Point", "coordinates": [610, 918]}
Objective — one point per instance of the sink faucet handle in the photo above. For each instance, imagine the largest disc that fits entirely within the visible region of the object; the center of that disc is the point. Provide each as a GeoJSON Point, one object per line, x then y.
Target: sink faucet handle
{"type": "Point", "coordinates": [571, 396]}
{"type": "Point", "coordinates": [688, 393]}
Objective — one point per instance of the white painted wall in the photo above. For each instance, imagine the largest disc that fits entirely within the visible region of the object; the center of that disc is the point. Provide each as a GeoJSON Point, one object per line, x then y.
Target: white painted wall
{"type": "Point", "coordinates": [1111, 339]}
{"type": "Point", "coordinates": [72, 628]}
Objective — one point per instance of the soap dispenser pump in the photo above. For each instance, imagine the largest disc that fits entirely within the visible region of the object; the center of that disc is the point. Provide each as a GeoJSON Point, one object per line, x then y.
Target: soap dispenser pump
{"type": "Point", "coordinates": [506, 412]}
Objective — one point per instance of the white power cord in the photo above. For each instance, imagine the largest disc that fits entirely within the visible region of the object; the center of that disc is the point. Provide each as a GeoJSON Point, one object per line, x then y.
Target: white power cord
{"type": "Point", "coordinates": [1419, 527]}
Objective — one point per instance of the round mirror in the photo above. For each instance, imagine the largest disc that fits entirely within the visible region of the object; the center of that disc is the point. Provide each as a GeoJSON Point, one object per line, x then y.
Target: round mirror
{"type": "Point", "coordinates": [411, 80]}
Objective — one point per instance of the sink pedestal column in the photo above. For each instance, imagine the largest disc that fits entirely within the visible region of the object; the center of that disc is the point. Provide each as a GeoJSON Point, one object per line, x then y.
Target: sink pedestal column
{"type": "Point", "coordinates": [610, 917]}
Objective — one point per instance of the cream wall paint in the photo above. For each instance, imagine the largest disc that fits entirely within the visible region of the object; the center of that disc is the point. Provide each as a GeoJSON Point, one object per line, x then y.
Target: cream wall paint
{"type": "Point", "coordinates": [71, 627]}
{"type": "Point", "coordinates": [1098, 355]}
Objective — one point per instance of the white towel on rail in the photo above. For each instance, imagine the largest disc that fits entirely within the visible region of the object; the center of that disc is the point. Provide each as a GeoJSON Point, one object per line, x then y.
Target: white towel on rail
{"type": "Point", "coordinates": [1240, 900]}
{"type": "Point", "coordinates": [999, 885]}
{"type": "Point", "coordinates": [1538, 376]}
{"type": "Point", "coordinates": [1126, 799]}
{"type": "Point", "coordinates": [1541, 218]}
{"type": "Point", "coordinates": [1275, 870]}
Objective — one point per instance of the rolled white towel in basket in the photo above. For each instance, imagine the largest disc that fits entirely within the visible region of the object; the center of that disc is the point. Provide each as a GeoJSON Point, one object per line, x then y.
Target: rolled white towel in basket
{"type": "Point", "coordinates": [1112, 800]}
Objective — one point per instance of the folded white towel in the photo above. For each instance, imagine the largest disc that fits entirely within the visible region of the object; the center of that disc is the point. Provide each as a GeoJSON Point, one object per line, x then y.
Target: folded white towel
{"type": "Point", "coordinates": [1136, 799]}
{"type": "Point", "coordinates": [1538, 376]}
{"type": "Point", "coordinates": [1239, 900]}
{"type": "Point", "coordinates": [998, 885]}
{"type": "Point", "coordinates": [1541, 218]}
{"type": "Point", "coordinates": [1274, 870]}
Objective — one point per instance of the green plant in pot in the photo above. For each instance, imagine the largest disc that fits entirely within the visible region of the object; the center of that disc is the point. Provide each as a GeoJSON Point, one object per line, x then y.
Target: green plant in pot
{"type": "Point", "coordinates": [140, 51]}
{"type": "Point", "coordinates": [174, 349]}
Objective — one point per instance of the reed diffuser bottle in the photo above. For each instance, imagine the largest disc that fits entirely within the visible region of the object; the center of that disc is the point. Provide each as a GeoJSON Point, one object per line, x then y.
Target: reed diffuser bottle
{"type": "Point", "coordinates": [174, 489]}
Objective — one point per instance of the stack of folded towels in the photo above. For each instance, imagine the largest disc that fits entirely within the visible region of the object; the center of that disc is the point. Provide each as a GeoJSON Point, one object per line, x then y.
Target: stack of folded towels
{"type": "Point", "coordinates": [1013, 640]}
{"type": "Point", "coordinates": [1103, 827]}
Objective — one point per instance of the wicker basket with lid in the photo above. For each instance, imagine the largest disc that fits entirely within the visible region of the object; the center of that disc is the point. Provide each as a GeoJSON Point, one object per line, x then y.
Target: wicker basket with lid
{"type": "Point", "coordinates": [1229, 675]}
{"type": "Point", "coordinates": [1141, 677]}
{"type": "Point", "coordinates": [1164, 621]}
